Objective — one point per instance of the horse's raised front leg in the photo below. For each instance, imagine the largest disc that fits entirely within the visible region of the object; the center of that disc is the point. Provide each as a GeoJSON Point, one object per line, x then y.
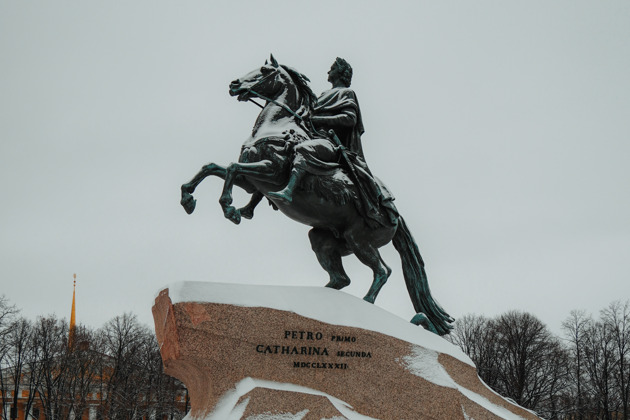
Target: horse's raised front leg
{"type": "Point", "coordinates": [263, 170]}
{"type": "Point", "coordinates": [248, 211]}
{"type": "Point", "coordinates": [187, 201]}
{"type": "Point", "coordinates": [212, 169]}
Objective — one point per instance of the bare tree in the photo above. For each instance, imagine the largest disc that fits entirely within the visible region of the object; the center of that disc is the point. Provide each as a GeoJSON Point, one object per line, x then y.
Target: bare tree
{"type": "Point", "coordinates": [51, 340]}
{"type": "Point", "coordinates": [84, 367]}
{"type": "Point", "coordinates": [16, 340]}
{"type": "Point", "coordinates": [616, 320]}
{"type": "Point", "coordinates": [518, 357]}
{"type": "Point", "coordinates": [20, 357]}
{"type": "Point", "coordinates": [7, 315]}
{"type": "Point", "coordinates": [122, 360]}
{"type": "Point", "coordinates": [532, 361]}
{"type": "Point", "coordinates": [122, 338]}
{"type": "Point", "coordinates": [161, 391]}
{"type": "Point", "coordinates": [476, 336]}
{"type": "Point", "coordinates": [599, 356]}
{"type": "Point", "coordinates": [576, 328]}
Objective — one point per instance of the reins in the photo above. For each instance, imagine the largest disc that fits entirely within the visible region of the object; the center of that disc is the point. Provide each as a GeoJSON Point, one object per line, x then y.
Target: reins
{"type": "Point", "coordinates": [301, 120]}
{"type": "Point", "coordinates": [256, 103]}
{"type": "Point", "coordinates": [284, 106]}
{"type": "Point", "coordinates": [258, 95]}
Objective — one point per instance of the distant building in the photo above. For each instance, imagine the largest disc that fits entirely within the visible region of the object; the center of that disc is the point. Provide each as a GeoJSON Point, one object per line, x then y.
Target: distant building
{"type": "Point", "coordinates": [94, 401]}
{"type": "Point", "coordinates": [26, 403]}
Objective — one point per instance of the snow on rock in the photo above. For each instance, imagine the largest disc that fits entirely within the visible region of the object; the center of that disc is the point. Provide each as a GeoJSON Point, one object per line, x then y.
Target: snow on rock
{"type": "Point", "coordinates": [281, 416]}
{"type": "Point", "coordinates": [214, 337]}
{"type": "Point", "coordinates": [323, 304]}
{"type": "Point", "coordinates": [229, 409]}
{"type": "Point", "coordinates": [424, 363]}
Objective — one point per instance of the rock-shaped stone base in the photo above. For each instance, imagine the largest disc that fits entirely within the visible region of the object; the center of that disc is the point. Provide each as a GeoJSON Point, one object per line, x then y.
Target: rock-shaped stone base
{"type": "Point", "coordinates": [254, 352]}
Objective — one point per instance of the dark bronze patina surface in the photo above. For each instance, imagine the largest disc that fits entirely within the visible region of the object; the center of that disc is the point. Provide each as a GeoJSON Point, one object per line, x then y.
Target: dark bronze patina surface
{"type": "Point", "coordinates": [305, 156]}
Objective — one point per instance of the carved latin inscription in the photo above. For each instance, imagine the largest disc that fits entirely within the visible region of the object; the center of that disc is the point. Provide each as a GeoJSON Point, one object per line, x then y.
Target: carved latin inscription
{"type": "Point", "coordinates": [316, 349]}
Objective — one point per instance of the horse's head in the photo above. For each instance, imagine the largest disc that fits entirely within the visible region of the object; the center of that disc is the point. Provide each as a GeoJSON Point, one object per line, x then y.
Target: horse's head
{"type": "Point", "coordinates": [269, 80]}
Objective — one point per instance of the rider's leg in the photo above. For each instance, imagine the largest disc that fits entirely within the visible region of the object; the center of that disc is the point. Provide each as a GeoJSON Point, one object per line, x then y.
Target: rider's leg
{"type": "Point", "coordinates": [317, 156]}
{"type": "Point", "coordinates": [286, 194]}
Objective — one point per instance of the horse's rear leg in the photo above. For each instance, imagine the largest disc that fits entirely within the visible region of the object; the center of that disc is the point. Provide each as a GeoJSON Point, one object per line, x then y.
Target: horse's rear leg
{"type": "Point", "coordinates": [368, 255]}
{"type": "Point", "coordinates": [329, 250]}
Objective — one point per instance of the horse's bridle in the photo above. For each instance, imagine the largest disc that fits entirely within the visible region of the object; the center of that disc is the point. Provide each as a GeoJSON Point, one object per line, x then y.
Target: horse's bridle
{"type": "Point", "coordinates": [258, 95]}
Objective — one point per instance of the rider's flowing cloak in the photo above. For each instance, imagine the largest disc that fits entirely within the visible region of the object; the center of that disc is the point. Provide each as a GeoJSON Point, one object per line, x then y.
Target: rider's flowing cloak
{"type": "Point", "coordinates": [342, 108]}
{"type": "Point", "coordinates": [320, 157]}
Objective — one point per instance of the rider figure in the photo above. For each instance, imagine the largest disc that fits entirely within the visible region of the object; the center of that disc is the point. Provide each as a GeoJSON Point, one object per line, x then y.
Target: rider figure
{"type": "Point", "coordinates": [337, 109]}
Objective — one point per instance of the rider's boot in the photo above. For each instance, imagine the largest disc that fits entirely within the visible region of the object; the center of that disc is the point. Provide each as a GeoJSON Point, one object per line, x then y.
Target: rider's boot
{"type": "Point", "coordinates": [286, 194]}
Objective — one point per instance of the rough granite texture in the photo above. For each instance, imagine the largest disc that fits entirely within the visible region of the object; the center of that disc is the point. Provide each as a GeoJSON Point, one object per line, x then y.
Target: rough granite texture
{"type": "Point", "coordinates": [211, 347]}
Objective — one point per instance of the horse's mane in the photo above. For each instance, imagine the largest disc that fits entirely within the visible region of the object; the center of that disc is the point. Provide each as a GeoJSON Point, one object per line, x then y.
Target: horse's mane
{"type": "Point", "coordinates": [307, 97]}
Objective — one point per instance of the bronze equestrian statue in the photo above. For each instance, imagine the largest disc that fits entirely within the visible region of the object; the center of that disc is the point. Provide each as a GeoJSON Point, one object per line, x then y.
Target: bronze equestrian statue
{"type": "Point", "coordinates": [304, 155]}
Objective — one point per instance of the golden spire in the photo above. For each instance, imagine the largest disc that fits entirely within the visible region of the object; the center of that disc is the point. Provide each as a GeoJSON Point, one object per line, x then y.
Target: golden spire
{"type": "Point", "coordinates": [72, 316]}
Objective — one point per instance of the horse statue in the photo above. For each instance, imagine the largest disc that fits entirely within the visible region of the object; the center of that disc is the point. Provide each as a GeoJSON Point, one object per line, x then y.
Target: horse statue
{"type": "Point", "coordinates": [328, 203]}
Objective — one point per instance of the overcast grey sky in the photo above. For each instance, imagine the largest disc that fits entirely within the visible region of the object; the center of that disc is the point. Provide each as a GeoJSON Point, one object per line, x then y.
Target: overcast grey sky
{"type": "Point", "coordinates": [502, 128]}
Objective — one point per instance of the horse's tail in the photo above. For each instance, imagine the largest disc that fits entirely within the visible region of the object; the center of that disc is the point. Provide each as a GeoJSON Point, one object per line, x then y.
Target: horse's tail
{"type": "Point", "coordinates": [416, 280]}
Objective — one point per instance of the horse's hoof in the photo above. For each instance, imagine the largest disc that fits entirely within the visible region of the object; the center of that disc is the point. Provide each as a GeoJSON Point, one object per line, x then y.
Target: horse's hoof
{"type": "Point", "coordinates": [188, 203]}
{"type": "Point", "coordinates": [247, 213]}
{"type": "Point", "coordinates": [236, 218]}
{"type": "Point", "coordinates": [338, 284]}
{"type": "Point", "coordinates": [370, 299]}
{"type": "Point", "coordinates": [233, 215]}
{"type": "Point", "coordinates": [423, 321]}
